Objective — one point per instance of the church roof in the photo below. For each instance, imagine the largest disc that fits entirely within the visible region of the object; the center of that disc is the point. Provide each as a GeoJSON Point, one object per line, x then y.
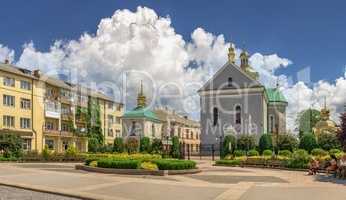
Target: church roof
{"type": "Point", "coordinates": [274, 95]}
{"type": "Point", "coordinates": [141, 112]}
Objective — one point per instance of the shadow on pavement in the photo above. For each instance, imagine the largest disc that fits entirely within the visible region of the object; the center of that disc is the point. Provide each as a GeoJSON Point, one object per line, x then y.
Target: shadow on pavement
{"type": "Point", "coordinates": [330, 179]}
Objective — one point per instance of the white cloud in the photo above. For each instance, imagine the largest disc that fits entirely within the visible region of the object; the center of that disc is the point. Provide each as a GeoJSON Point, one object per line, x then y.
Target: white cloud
{"type": "Point", "coordinates": [6, 53]}
{"type": "Point", "coordinates": [142, 41]}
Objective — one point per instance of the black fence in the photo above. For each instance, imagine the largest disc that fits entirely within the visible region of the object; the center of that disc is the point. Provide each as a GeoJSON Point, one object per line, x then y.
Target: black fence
{"type": "Point", "coordinates": [203, 152]}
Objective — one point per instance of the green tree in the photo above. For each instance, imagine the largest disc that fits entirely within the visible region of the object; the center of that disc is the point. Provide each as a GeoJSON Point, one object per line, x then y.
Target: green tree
{"type": "Point", "coordinates": [328, 141]}
{"type": "Point", "coordinates": [145, 145]}
{"type": "Point", "coordinates": [287, 142]}
{"type": "Point", "coordinates": [157, 146]}
{"type": "Point", "coordinates": [118, 145]}
{"type": "Point", "coordinates": [265, 142]}
{"type": "Point", "coordinates": [342, 133]}
{"type": "Point", "coordinates": [93, 144]}
{"type": "Point", "coordinates": [246, 142]}
{"type": "Point", "coordinates": [11, 145]}
{"type": "Point", "coordinates": [93, 120]}
{"type": "Point", "coordinates": [175, 150]}
{"type": "Point", "coordinates": [226, 149]}
{"type": "Point", "coordinates": [306, 120]}
{"type": "Point", "coordinates": [308, 142]}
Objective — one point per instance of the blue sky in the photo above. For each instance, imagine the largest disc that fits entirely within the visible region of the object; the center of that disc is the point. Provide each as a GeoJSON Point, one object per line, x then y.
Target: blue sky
{"type": "Point", "coordinates": [310, 33]}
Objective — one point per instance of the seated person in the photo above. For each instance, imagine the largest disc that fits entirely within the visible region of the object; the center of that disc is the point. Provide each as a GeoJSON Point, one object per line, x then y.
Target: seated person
{"type": "Point", "coordinates": [333, 164]}
{"type": "Point", "coordinates": [313, 167]}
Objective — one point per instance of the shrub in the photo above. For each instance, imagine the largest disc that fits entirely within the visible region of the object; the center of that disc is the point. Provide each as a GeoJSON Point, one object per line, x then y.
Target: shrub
{"type": "Point", "coordinates": [93, 163]}
{"type": "Point", "coordinates": [118, 164]}
{"type": "Point", "coordinates": [71, 152]}
{"type": "Point", "coordinates": [319, 152]}
{"type": "Point", "coordinates": [175, 149]}
{"type": "Point", "coordinates": [246, 142]}
{"type": "Point", "coordinates": [93, 144]}
{"type": "Point", "coordinates": [118, 145]}
{"type": "Point", "coordinates": [145, 145]}
{"type": "Point", "coordinates": [334, 151]}
{"type": "Point", "coordinates": [308, 142]}
{"type": "Point", "coordinates": [175, 164]}
{"type": "Point", "coordinates": [267, 152]}
{"type": "Point", "coordinates": [11, 145]}
{"type": "Point", "coordinates": [8, 159]}
{"type": "Point", "coordinates": [328, 141]}
{"type": "Point", "coordinates": [300, 159]}
{"type": "Point", "coordinates": [265, 142]}
{"type": "Point", "coordinates": [46, 153]}
{"type": "Point", "coordinates": [157, 146]}
{"type": "Point", "coordinates": [228, 162]}
{"type": "Point", "coordinates": [287, 142]}
{"type": "Point", "coordinates": [239, 153]}
{"type": "Point", "coordinates": [105, 148]}
{"type": "Point", "coordinates": [252, 153]}
{"type": "Point", "coordinates": [226, 148]}
{"type": "Point", "coordinates": [149, 166]}
{"type": "Point", "coordinates": [285, 153]}
{"type": "Point", "coordinates": [132, 145]}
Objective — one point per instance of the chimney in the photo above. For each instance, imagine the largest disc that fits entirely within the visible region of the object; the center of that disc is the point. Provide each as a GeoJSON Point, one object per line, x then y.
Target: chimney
{"type": "Point", "coordinates": [7, 61]}
{"type": "Point", "coordinates": [37, 73]}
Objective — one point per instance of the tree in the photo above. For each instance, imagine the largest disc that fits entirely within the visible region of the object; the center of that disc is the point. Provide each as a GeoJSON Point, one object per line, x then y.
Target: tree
{"type": "Point", "coordinates": [175, 150]}
{"type": "Point", "coordinates": [93, 120]}
{"type": "Point", "coordinates": [287, 142]}
{"type": "Point", "coordinates": [308, 142]}
{"type": "Point", "coordinates": [246, 142]}
{"type": "Point", "coordinates": [93, 144]}
{"type": "Point", "coordinates": [328, 141]}
{"type": "Point", "coordinates": [265, 142]}
{"type": "Point", "coordinates": [342, 133]}
{"type": "Point", "coordinates": [118, 145]}
{"type": "Point", "coordinates": [11, 145]}
{"type": "Point", "coordinates": [145, 145]}
{"type": "Point", "coordinates": [226, 149]}
{"type": "Point", "coordinates": [306, 120]}
{"type": "Point", "coordinates": [157, 146]}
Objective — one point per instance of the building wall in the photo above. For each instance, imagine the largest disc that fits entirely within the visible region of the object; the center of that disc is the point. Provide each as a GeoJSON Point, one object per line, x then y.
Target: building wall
{"type": "Point", "coordinates": [278, 111]}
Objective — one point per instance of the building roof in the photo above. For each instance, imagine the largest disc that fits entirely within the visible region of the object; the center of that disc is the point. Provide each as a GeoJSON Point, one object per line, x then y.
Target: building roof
{"type": "Point", "coordinates": [274, 95]}
{"type": "Point", "coordinates": [140, 113]}
{"type": "Point", "coordinates": [16, 70]}
{"type": "Point", "coordinates": [167, 115]}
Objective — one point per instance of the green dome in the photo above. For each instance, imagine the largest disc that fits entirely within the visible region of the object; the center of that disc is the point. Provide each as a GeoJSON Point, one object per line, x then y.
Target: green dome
{"type": "Point", "coordinates": [141, 112]}
{"type": "Point", "coordinates": [274, 95]}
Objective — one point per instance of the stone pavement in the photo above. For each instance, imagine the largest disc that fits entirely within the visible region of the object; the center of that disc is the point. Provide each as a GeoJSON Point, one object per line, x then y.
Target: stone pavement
{"type": "Point", "coordinates": [214, 183]}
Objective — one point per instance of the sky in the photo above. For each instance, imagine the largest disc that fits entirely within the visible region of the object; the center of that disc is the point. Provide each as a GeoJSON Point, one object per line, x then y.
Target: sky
{"type": "Point", "coordinates": [301, 43]}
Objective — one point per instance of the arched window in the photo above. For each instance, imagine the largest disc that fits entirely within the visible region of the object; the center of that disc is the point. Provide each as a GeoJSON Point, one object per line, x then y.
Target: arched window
{"type": "Point", "coordinates": [230, 82]}
{"type": "Point", "coordinates": [238, 115]}
{"type": "Point", "coordinates": [271, 123]}
{"type": "Point", "coordinates": [215, 116]}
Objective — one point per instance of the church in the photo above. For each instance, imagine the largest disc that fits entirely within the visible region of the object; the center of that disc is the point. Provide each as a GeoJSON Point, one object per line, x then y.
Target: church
{"type": "Point", "coordinates": [233, 101]}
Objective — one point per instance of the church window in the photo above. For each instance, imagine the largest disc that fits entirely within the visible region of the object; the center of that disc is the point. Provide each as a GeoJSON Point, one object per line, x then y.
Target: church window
{"type": "Point", "coordinates": [238, 115]}
{"type": "Point", "coordinates": [271, 124]}
{"type": "Point", "coordinates": [230, 82]}
{"type": "Point", "coordinates": [215, 116]}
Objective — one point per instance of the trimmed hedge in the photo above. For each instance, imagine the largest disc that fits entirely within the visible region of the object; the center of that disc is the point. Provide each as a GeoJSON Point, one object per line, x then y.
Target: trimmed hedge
{"type": "Point", "coordinates": [239, 153]}
{"type": "Point", "coordinates": [252, 153]}
{"type": "Point", "coordinates": [285, 153]}
{"type": "Point", "coordinates": [118, 164]}
{"type": "Point", "coordinates": [175, 164]}
{"type": "Point", "coordinates": [267, 152]}
{"type": "Point", "coordinates": [228, 162]}
{"type": "Point", "coordinates": [319, 152]}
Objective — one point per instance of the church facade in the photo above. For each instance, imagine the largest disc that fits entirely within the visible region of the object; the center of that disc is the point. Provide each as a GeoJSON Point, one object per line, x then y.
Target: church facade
{"type": "Point", "coordinates": [234, 102]}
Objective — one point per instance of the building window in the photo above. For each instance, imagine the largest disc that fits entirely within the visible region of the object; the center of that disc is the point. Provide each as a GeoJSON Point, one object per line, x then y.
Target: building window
{"type": "Point", "coordinates": [215, 116]}
{"type": "Point", "coordinates": [117, 133]}
{"type": "Point", "coordinates": [25, 103]}
{"type": "Point", "coordinates": [49, 125]}
{"type": "Point", "coordinates": [110, 132]}
{"type": "Point", "coordinates": [110, 120]}
{"type": "Point", "coordinates": [153, 130]}
{"type": "Point", "coordinates": [65, 127]}
{"type": "Point", "coordinates": [271, 123]}
{"type": "Point", "coordinates": [117, 120]}
{"type": "Point", "coordinates": [238, 115]}
{"type": "Point", "coordinates": [110, 105]}
{"type": "Point", "coordinates": [8, 100]}
{"type": "Point", "coordinates": [119, 107]}
{"type": "Point", "coordinates": [25, 123]}
{"type": "Point", "coordinates": [49, 144]}
{"type": "Point", "coordinates": [26, 85]}
{"type": "Point", "coordinates": [8, 121]}
{"type": "Point", "coordinates": [133, 129]}
{"type": "Point", "coordinates": [26, 145]}
{"type": "Point", "coordinates": [230, 82]}
{"type": "Point", "coordinates": [9, 82]}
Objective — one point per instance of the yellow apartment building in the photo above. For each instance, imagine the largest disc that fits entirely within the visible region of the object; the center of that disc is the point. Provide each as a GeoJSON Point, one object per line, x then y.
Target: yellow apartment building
{"type": "Point", "coordinates": [45, 111]}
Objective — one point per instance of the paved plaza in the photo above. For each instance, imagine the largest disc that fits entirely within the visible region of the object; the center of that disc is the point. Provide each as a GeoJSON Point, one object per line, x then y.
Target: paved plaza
{"type": "Point", "coordinates": [214, 183]}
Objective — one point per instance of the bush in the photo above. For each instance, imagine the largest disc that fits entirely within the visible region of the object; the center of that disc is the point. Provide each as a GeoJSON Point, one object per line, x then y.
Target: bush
{"type": "Point", "coordinates": [118, 164]}
{"type": "Point", "coordinates": [239, 153]}
{"type": "Point", "coordinates": [157, 146]}
{"type": "Point", "coordinates": [319, 152]}
{"type": "Point", "coordinates": [93, 163]}
{"type": "Point", "coordinates": [252, 153]}
{"type": "Point", "coordinates": [175, 150]}
{"type": "Point", "coordinates": [93, 144]}
{"type": "Point", "coordinates": [132, 145]}
{"type": "Point", "coordinates": [300, 159]}
{"type": "Point", "coordinates": [118, 145]}
{"type": "Point", "coordinates": [328, 141]}
{"type": "Point", "coordinates": [175, 164]}
{"type": "Point", "coordinates": [108, 148]}
{"type": "Point", "coordinates": [228, 162]}
{"type": "Point", "coordinates": [265, 142]}
{"type": "Point", "coordinates": [145, 146]}
{"type": "Point", "coordinates": [226, 149]}
{"type": "Point", "coordinates": [46, 153]}
{"type": "Point", "coordinates": [287, 142]}
{"type": "Point", "coordinates": [8, 159]}
{"type": "Point", "coordinates": [71, 152]}
{"type": "Point", "coordinates": [334, 151]}
{"type": "Point", "coordinates": [11, 145]}
{"type": "Point", "coordinates": [308, 142]}
{"type": "Point", "coordinates": [267, 152]}
{"type": "Point", "coordinates": [246, 142]}
{"type": "Point", "coordinates": [149, 166]}
{"type": "Point", "coordinates": [285, 153]}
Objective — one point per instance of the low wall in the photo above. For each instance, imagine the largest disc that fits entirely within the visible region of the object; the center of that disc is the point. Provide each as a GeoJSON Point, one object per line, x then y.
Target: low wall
{"type": "Point", "coordinates": [136, 171]}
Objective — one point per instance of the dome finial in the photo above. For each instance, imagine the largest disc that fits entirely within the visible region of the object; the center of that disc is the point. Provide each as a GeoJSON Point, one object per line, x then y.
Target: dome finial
{"type": "Point", "coordinates": [141, 99]}
{"type": "Point", "coordinates": [231, 54]}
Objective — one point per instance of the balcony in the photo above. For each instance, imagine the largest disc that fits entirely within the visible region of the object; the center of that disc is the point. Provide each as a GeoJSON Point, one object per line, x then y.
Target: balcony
{"type": "Point", "coordinates": [52, 109]}
{"type": "Point", "coordinates": [67, 116]}
{"type": "Point", "coordinates": [52, 132]}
